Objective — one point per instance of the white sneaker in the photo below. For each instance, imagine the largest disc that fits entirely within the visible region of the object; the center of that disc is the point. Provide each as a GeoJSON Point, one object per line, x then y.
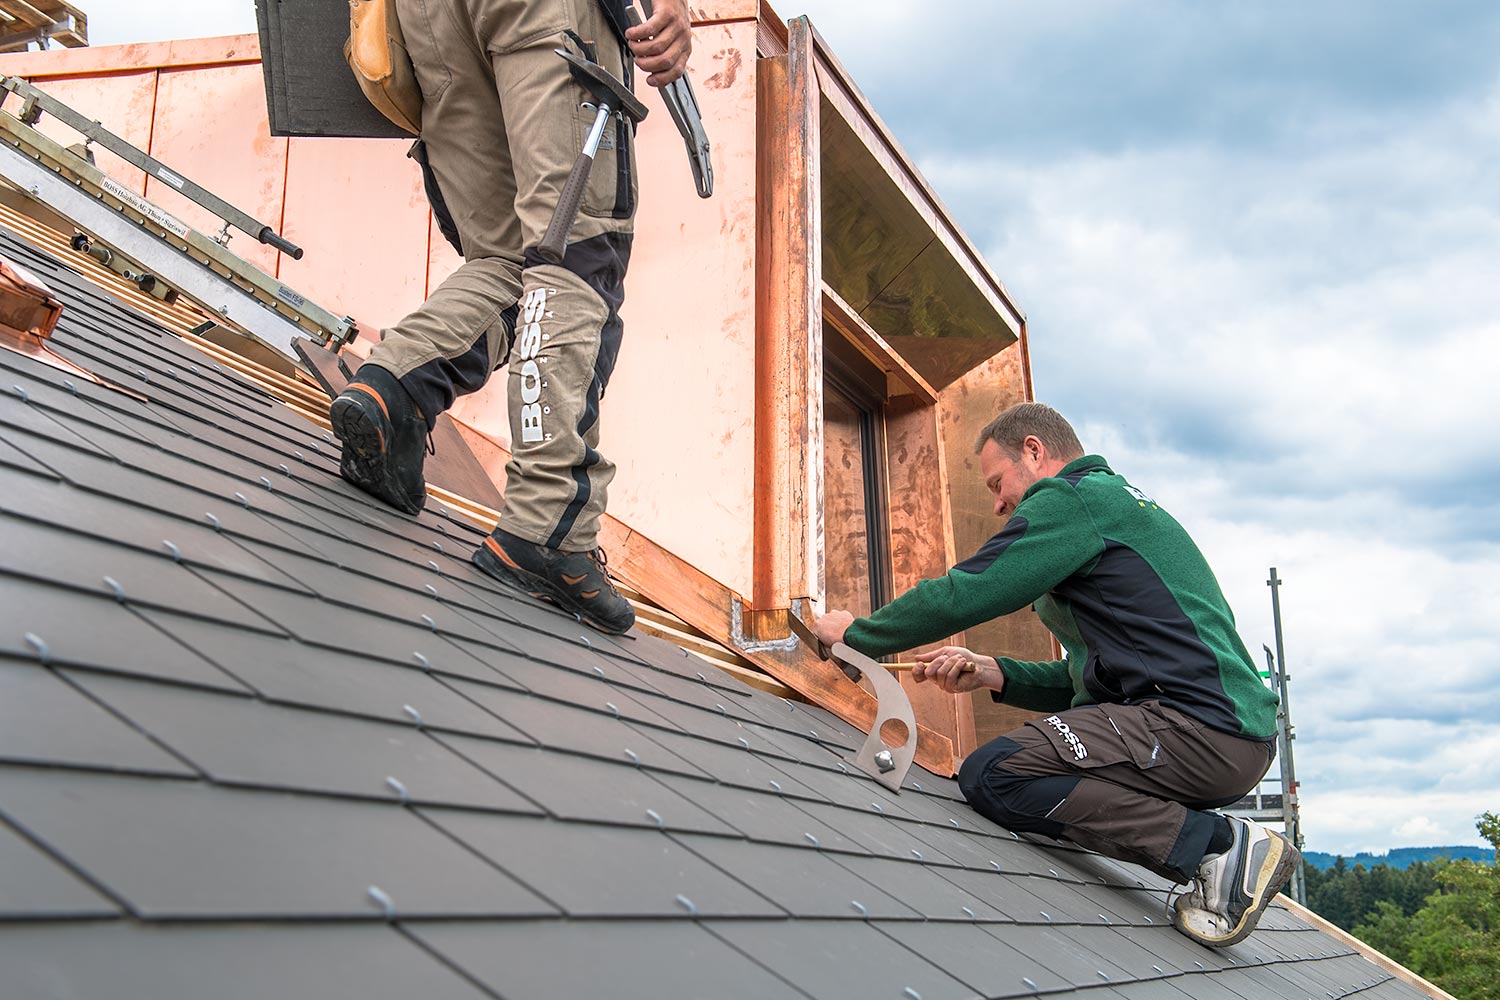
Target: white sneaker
{"type": "Point", "coordinates": [1232, 889]}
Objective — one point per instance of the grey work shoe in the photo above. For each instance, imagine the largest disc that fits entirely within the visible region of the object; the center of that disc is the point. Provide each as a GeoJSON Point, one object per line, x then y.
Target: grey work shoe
{"type": "Point", "coordinates": [577, 582]}
{"type": "Point", "coordinates": [1232, 889]}
{"type": "Point", "coordinates": [384, 439]}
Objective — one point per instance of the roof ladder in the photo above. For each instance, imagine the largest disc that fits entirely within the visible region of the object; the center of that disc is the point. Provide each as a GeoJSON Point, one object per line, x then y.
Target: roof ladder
{"type": "Point", "coordinates": [145, 241]}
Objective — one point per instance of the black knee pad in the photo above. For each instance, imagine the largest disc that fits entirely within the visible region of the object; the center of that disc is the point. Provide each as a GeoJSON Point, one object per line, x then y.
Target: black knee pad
{"type": "Point", "coordinates": [1021, 802]}
{"type": "Point", "coordinates": [978, 763]}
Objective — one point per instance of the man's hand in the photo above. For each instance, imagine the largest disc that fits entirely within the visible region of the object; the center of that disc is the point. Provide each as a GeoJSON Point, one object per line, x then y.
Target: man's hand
{"type": "Point", "coordinates": [830, 628]}
{"type": "Point", "coordinates": [946, 667]}
{"type": "Point", "coordinates": [663, 43]}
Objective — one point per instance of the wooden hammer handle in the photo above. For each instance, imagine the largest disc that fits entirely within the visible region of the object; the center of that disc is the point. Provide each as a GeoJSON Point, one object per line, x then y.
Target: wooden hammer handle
{"type": "Point", "coordinates": [968, 668]}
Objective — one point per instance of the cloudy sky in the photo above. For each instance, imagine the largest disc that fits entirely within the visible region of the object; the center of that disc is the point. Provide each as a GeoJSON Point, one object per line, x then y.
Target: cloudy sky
{"type": "Point", "coordinates": [1258, 245]}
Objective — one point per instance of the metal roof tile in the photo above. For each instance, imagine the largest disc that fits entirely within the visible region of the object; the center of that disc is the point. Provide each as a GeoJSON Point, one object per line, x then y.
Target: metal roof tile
{"type": "Point", "coordinates": [186, 849]}
{"type": "Point", "coordinates": [842, 958]}
{"type": "Point", "coordinates": [246, 741]}
{"type": "Point", "coordinates": [46, 720]}
{"type": "Point", "coordinates": [586, 958]}
{"type": "Point", "coordinates": [37, 886]}
{"type": "Point", "coordinates": [802, 880]}
{"type": "Point", "coordinates": [41, 622]}
{"type": "Point", "coordinates": [226, 961]}
{"type": "Point", "coordinates": [590, 869]}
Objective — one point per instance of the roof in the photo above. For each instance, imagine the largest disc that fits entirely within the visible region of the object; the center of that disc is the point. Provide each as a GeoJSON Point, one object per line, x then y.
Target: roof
{"type": "Point", "coordinates": [260, 736]}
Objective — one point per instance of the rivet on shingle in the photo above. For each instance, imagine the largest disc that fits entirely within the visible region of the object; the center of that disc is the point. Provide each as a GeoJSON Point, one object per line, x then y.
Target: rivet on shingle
{"type": "Point", "coordinates": [970, 913]}
{"type": "Point", "coordinates": [585, 640]}
{"type": "Point", "coordinates": [244, 500]}
{"type": "Point", "coordinates": [687, 904]}
{"type": "Point", "coordinates": [600, 671]}
{"type": "Point", "coordinates": [744, 742]}
{"type": "Point", "coordinates": [413, 714]}
{"type": "Point", "coordinates": [813, 733]}
{"type": "Point", "coordinates": [700, 674]}
{"type": "Point", "coordinates": [396, 786]}
{"type": "Point", "coordinates": [1147, 917]}
{"type": "Point", "coordinates": [1014, 835]}
{"type": "Point", "coordinates": [917, 854]}
{"type": "Point", "coordinates": [1102, 974]}
{"type": "Point", "coordinates": [655, 817]}
{"type": "Point", "coordinates": [114, 586]}
{"type": "Point", "coordinates": [265, 482]}
{"type": "Point", "coordinates": [1158, 969]}
{"type": "Point", "coordinates": [172, 550]}
{"type": "Point", "coordinates": [812, 840]}
{"type": "Point", "coordinates": [776, 786]}
{"type": "Point", "coordinates": [996, 865]}
{"type": "Point", "coordinates": [383, 900]}
{"type": "Point", "coordinates": [954, 823]}
{"type": "Point", "coordinates": [438, 546]}
{"type": "Point", "coordinates": [430, 589]}
{"type": "Point", "coordinates": [298, 456]}
{"type": "Point", "coordinates": [422, 661]}
{"type": "Point", "coordinates": [1197, 963]}
{"type": "Point", "coordinates": [1104, 918]}
{"type": "Point", "coordinates": [430, 623]}
{"type": "Point", "coordinates": [789, 705]}
{"type": "Point", "coordinates": [613, 708]}
{"type": "Point", "coordinates": [43, 651]}
{"type": "Point", "coordinates": [435, 567]}
{"type": "Point", "coordinates": [842, 767]}
{"type": "Point", "coordinates": [68, 385]}
{"type": "Point", "coordinates": [683, 651]}
{"type": "Point", "coordinates": [22, 393]}
{"type": "Point", "coordinates": [876, 807]}
{"type": "Point", "coordinates": [1045, 915]}
{"type": "Point", "coordinates": [860, 907]}
{"type": "Point", "coordinates": [1030, 984]}
{"type": "Point", "coordinates": [213, 519]}
{"type": "Point", "coordinates": [722, 710]}
{"type": "Point", "coordinates": [283, 468]}
{"type": "Point", "coordinates": [1053, 873]}
{"type": "Point", "coordinates": [326, 436]}
{"type": "Point", "coordinates": [316, 448]}
{"type": "Point", "coordinates": [578, 618]}
{"type": "Point", "coordinates": [911, 994]}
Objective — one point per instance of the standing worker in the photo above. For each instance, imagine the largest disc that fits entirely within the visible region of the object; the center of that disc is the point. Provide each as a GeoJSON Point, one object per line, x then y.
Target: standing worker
{"type": "Point", "coordinates": [502, 121]}
{"type": "Point", "coordinates": [1156, 715]}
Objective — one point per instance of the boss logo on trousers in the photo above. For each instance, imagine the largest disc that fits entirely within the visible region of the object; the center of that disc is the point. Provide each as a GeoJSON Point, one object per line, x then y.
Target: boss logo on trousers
{"type": "Point", "coordinates": [1069, 737]}
{"type": "Point", "coordinates": [528, 349]}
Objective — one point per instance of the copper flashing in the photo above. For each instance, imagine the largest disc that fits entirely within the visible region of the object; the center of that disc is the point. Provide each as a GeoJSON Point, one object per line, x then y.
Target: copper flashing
{"type": "Point", "coordinates": [28, 313]}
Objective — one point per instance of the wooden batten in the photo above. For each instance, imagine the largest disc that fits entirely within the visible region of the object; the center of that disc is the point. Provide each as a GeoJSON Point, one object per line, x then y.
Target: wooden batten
{"type": "Point", "coordinates": [1376, 958]}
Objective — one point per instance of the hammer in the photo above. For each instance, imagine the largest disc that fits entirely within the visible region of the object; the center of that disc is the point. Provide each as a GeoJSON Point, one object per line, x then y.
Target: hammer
{"type": "Point", "coordinates": [609, 95]}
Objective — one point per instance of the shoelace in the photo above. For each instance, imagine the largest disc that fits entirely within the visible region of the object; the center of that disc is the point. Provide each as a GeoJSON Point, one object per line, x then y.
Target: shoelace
{"type": "Point", "coordinates": [1178, 891]}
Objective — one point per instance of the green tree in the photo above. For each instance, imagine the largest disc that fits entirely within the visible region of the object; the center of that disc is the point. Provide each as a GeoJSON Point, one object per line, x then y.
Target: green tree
{"type": "Point", "coordinates": [1454, 938]}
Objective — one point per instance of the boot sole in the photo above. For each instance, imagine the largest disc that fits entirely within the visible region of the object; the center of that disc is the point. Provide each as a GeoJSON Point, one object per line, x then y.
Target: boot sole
{"type": "Point", "coordinates": [365, 461]}
{"type": "Point", "coordinates": [1282, 861]}
{"type": "Point", "coordinates": [539, 587]}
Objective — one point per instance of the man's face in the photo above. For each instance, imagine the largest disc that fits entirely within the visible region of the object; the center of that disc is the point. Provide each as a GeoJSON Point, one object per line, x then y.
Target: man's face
{"type": "Point", "coordinates": [1006, 478]}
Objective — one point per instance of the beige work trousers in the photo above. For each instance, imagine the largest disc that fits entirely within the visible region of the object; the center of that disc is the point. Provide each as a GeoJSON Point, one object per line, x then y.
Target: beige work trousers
{"type": "Point", "coordinates": [502, 123]}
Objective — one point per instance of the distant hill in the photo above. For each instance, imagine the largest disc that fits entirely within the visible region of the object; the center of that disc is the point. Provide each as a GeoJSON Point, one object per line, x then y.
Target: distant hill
{"type": "Point", "coordinates": [1400, 857]}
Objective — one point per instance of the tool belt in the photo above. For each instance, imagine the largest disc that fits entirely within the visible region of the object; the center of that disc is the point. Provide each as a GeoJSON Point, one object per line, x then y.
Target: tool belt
{"type": "Point", "coordinates": [376, 52]}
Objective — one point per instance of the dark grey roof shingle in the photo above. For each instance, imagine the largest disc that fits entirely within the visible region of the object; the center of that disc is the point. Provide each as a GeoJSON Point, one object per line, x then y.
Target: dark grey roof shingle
{"type": "Point", "coordinates": [295, 745]}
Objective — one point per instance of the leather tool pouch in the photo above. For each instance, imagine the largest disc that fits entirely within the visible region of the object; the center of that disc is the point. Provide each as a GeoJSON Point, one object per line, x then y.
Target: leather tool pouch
{"type": "Point", "coordinates": [376, 52]}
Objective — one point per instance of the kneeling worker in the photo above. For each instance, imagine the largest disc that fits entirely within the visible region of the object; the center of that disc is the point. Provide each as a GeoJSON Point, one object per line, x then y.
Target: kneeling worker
{"type": "Point", "coordinates": [1157, 713]}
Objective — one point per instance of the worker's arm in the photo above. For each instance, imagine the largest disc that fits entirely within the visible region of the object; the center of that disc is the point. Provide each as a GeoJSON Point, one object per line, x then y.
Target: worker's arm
{"type": "Point", "coordinates": [1048, 538]}
{"type": "Point", "coordinates": [1040, 687]}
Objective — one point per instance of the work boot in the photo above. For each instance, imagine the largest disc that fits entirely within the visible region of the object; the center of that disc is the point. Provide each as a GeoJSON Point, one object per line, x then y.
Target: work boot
{"type": "Point", "coordinates": [575, 581]}
{"type": "Point", "coordinates": [384, 438]}
{"type": "Point", "coordinates": [1232, 889]}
